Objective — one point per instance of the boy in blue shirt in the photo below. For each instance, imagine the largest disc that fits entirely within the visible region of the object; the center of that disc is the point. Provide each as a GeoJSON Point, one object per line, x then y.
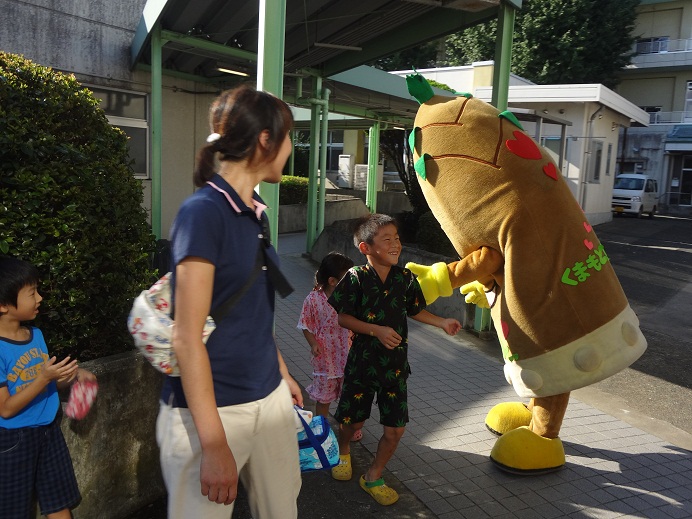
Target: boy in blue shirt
{"type": "Point", "coordinates": [34, 458]}
{"type": "Point", "coordinates": [374, 301]}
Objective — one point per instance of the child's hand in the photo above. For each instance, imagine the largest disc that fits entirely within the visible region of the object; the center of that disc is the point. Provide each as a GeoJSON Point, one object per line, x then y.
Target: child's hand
{"type": "Point", "coordinates": [84, 375]}
{"type": "Point", "coordinates": [315, 350]}
{"type": "Point", "coordinates": [451, 326]}
{"type": "Point", "coordinates": [66, 369]}
{"type": "Point", "coordinates": [388, 337]}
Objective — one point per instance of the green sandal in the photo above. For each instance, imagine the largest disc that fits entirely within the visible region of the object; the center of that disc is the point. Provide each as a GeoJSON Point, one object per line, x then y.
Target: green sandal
{"type": "Point", "coordinates": [343, 470]}
{"type": "Point", "coordinates": [380, 492]}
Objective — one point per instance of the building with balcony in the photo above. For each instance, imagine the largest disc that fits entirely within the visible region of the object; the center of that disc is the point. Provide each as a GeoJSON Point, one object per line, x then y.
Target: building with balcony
{"type": "Point", "coordinates": [659, 81]}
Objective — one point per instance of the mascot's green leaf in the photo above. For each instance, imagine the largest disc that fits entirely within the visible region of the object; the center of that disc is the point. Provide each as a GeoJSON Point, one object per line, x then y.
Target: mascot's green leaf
{"type": "Point", "coordinates": [419, 87]}
{"type": "Point", "coordinates": [419, 166]}
{"type": "Point", "coordinates": [511, 118]}
{"type": "Point", "coordinates": [412, 138]}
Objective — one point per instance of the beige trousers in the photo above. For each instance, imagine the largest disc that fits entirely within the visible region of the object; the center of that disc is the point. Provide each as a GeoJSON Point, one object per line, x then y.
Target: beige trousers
{"type": "Point", "coordinates": [262, 437]}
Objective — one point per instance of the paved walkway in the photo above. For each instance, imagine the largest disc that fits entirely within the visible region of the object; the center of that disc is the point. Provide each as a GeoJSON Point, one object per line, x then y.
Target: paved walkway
{"type": "Point", "coordinates": [442, 467]}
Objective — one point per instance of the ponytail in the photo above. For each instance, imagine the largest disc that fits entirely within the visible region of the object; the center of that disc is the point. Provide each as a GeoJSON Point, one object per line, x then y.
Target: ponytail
{"type": "Point", "coordinates": [205, 164]}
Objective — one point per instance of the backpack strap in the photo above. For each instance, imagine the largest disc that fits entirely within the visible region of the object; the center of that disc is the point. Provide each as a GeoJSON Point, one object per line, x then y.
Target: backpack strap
{"type": "Point", "coordinates": [222, 311]}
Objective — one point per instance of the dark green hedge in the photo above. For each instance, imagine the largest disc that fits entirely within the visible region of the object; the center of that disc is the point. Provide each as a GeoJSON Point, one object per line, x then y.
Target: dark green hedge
{"type": "Point", "coordinates": [293, 190]}
{"type": "Point", "coordinates": [69, 204]}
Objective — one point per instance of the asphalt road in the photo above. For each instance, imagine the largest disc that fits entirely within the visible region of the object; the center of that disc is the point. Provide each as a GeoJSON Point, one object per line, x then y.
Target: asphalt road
{"type": "Point", "coordinates": [653, 260]}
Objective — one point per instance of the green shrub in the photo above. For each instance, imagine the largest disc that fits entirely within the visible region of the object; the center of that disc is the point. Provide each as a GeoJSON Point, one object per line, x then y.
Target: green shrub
{"type": "Point", "coordinates": [70, 205]}
{"type": "Point", "coordinates": [293, 190]}
{"type": "Point", "coordinates": [431, 237]}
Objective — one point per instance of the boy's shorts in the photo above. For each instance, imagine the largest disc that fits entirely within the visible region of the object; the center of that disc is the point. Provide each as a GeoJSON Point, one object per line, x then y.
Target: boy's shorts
{"type": "Point", "coordinates": [356, 401]}
{"type": "Point", "coordinates": [35, 461]}
{"type": "Point", "coordinates": [324, 390]}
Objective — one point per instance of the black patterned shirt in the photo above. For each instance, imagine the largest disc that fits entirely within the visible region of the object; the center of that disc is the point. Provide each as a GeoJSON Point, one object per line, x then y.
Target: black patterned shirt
{"type": "Point", "coordinates": [362, 294]}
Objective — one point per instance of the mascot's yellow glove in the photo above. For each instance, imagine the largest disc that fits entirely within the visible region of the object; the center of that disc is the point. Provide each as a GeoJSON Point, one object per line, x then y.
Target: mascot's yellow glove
{"type": "Point", "coordinates": [475, 293]}
{"type": "Point", "coordinates": [433, 280]}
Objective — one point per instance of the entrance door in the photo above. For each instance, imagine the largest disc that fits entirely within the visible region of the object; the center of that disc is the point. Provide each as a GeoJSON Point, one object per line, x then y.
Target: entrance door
{"type": "Point", "coordinates": [686, 185]}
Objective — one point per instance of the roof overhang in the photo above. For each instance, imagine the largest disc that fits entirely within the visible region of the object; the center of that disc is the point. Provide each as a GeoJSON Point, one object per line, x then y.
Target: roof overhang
{"type": "Point", "coordinates": [327, 36]}
{"type": "Point", "coordinates": [572, 93]}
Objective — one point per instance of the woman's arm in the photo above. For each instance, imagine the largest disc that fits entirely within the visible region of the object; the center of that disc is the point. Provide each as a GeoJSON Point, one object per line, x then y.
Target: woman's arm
{"type": "Point", "coordinates": [193, 293]}
{"type": "Point", "coordinates": [292, 384]}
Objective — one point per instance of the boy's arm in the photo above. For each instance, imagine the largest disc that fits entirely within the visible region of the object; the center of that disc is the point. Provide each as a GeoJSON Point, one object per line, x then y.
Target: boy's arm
{"type": "Point", "coordinates": [386, 335]}
{"type": "Point", "coordinates": [451, 326]}
{"type": "Point", "coordinates": [10, 405]}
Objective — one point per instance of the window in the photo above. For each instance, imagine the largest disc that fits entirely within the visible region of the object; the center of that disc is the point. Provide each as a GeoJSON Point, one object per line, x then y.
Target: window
{"type": "Point", "coordinates": [596, 159]}
{"type": "Point", "coordinates": [128, 111]}
{"type": "Point", "coordinates": [652, 45]}
{"type": "Point", "coordinates": [609, 157]}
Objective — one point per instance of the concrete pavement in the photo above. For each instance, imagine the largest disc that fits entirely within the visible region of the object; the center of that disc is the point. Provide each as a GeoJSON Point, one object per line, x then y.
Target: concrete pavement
{"type": "Point", "coordinates": [620, 463]}
{"type": "Point", "coordinates": [442, 469]}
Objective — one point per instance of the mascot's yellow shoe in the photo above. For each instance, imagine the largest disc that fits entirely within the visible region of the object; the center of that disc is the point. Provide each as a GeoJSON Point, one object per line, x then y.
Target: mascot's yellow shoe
{"type": "Point", "coordinates": [506, 417]}
{"type": "Point", "coordinates": [524, 452]}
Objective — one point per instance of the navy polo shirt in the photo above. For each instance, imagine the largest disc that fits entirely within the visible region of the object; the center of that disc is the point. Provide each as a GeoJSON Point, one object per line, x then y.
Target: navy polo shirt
{"type": "Point", "coordinates": [242, 350]}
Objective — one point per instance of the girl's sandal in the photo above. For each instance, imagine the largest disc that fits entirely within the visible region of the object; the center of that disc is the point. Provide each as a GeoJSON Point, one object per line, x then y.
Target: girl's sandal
{"type": "Point", "coordinates": [343, 470]}
{"type": "Point", "coordinates": [380, 492]}
{"type": "Point", "coordinates": [357, 436]}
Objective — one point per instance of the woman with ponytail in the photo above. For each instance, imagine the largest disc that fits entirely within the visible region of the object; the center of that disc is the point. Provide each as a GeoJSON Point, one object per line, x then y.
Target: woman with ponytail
{"type": "Point", "coordinates": [229, 415]}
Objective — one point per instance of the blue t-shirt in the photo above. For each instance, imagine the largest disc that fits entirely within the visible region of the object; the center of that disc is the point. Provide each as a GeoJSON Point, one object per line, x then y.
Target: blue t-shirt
{"type": "Point", "coordinates": [20, 364]}
{"type": "Point", "coordinates": [242, 350]}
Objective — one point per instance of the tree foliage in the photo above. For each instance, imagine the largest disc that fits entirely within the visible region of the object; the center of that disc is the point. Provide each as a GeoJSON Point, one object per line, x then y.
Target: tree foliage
{"type": "Point", "coordinates": [70, 205]}
{"type": "Point", "coordinates": [555, 42]}
{"type": "Point", "coordinates": [558, 41]}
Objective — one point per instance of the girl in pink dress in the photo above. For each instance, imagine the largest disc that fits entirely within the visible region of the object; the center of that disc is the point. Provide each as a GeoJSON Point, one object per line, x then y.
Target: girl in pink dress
{"type": "Point", "coordinates": [329, 342]}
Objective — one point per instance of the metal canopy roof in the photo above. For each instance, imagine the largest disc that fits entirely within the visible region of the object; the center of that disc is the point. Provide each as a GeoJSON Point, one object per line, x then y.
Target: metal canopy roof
{"type": "Point", "coordinates": [323, 37]}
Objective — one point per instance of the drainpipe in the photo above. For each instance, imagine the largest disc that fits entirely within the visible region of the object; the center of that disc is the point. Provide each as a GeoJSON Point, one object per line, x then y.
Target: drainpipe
{"type": "Point", "coordinates": [583, 174]}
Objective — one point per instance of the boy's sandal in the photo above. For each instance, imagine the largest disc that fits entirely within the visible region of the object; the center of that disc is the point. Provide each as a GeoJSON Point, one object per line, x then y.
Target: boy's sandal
{"type": "Point", "coordinates": [380, 492]}
{"type": "Point", "coordinates": [357, 436]}
{"type": "Point", "coordinates": [343, 471]}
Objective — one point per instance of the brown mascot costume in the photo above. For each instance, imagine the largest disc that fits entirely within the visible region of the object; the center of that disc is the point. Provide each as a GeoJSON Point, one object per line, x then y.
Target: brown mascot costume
{"type": "Point", "coordinates": [528, 253]}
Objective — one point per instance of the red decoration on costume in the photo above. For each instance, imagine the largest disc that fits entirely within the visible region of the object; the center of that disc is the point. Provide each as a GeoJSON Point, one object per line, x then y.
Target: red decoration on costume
{"type": "Point", "coordinates": [549, 169]}
{"type": "Point", "coordinates": [524, 146]}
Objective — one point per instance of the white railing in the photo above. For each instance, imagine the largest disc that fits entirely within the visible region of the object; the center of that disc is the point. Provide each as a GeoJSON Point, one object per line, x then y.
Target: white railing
{"type": "Point", "coordinates": [670, 117]}
{"type": "Point", "coordinates": [662, 46]}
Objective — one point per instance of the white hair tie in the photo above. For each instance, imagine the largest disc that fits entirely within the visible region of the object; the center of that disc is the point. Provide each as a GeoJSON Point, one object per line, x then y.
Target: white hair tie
{"type": "Point", "coordinates": [213, 138]}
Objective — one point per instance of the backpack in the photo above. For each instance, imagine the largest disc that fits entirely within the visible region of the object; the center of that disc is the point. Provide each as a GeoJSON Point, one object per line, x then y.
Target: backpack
{"type": "Point", "coordinates": [151, 325]}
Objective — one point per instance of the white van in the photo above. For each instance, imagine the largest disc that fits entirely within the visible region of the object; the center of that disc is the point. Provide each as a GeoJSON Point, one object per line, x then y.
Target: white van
{"type": "Point", "coordinates": [635, 194]}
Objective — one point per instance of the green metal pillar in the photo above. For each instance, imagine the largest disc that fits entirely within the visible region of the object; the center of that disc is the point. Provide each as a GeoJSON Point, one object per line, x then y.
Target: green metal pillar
{"type": "Point", "coordinates": [315, 135]}
{"type": "Point", "coordinates": [503, 55]}
{"type": "Point", "coordinates": [270, 78]}
{"type": "Point", "coordinates": [156, 126]}
{"type": "Point", "coordinates": [323, 162]}
{"type": "Point", "coordinates": [373, 159]}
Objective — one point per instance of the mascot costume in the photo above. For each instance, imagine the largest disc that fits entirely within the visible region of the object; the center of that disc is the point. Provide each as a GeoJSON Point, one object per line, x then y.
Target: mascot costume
{"type": "Point", "coordinates": [527, 252]}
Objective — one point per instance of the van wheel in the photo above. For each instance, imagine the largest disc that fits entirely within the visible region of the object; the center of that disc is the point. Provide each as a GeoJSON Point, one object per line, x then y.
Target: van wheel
{"type": "Point", "coordinates": [640, 213]}
{"type": "Point", "coordinates": [652, 212]}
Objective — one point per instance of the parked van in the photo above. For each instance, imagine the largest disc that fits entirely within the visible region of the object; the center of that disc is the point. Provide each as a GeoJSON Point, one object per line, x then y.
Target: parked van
{"type": "Point", "coordinates": [635, 194]}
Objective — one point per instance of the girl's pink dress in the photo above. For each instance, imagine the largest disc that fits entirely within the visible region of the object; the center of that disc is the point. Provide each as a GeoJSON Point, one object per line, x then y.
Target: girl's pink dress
{"type": "Point", "coordinates": [319, 318]}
